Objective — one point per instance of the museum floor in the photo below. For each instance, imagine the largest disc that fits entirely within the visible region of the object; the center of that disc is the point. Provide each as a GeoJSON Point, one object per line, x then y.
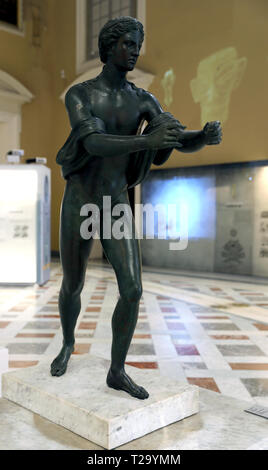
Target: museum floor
{"type": "Point", "coordinates": [209, 330]}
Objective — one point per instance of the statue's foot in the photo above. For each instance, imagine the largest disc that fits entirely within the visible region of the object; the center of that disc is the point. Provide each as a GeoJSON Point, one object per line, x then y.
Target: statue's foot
{"type": "Point", "coordinates": [59, 365]}
{"type": "Point", "coordinates": [122, 381]}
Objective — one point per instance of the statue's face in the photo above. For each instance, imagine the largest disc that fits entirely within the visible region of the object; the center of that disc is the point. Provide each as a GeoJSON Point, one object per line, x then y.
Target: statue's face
{"type": "Point", "coordinates": [126, 51]}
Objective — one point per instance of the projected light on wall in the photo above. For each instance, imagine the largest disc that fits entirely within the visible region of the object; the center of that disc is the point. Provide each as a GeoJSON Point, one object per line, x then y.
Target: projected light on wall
{"type": "Point", "coordinates": [217, 76]}
{"type": "Point", "coordinates": [196, 194]}
{"type": "Point", "coordinates": [168, 83]}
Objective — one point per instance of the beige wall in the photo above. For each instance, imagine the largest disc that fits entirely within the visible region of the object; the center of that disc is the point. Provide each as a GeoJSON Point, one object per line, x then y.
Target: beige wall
{"type": "Point", "coordinates": [192, 30]}
{"type": "Point", "coordinates": [179, 34]}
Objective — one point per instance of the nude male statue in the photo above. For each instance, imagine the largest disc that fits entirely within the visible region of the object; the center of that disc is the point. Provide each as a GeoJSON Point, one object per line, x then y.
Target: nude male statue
{"type": "Point", "coordinates": [104, 155]}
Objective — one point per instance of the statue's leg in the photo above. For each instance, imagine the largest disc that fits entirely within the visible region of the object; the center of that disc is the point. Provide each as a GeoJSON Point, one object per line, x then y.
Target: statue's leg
{"type": "Point", "coordinates": [124, 256]}
{"type": "Point", "coordinates": [74, 253]}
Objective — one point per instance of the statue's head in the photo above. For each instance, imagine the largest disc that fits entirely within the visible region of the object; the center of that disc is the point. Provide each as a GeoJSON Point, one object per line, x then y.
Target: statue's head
{"type": "Point", "coordinates": [120, 39]}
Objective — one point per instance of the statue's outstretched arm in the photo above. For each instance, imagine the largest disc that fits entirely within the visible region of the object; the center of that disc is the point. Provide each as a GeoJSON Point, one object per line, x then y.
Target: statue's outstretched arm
{"type": "Point", "coordinates": [192, 141]}
{"type": "Point", "coordinates": [189, 141]}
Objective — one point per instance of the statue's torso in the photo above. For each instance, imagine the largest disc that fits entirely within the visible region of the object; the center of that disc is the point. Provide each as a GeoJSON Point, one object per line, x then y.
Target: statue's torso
{"type": "Point", "coordinates": [122, 113]}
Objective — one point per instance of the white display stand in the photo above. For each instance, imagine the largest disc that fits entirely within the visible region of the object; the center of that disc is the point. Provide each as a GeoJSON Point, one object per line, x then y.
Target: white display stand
{"type": "Point", "coordinates": [81, 401]}
{"type": "Point", "coordinates": [24, 224]}
{"type": "Point", "coordinates": [3, 365]}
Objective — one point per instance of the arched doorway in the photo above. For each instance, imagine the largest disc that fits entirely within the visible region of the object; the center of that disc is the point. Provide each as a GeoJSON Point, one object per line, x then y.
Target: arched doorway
{"type": "Point", "coordinates": [12, 96]}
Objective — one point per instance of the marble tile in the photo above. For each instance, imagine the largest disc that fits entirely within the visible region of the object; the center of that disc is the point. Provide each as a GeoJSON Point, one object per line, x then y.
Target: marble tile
{"type": "Point", "coordinates": [186, 350]}
{"type": "Point", "coordinates": [248, 366]}
{"type": "Point", "coordinates": [143, 365]}
{"type": "Point", "coordinates": [49, 309]}
{"type": "Point", "coordinates": [91, 315]}
{"type": "Point", "coordinates": [199, 309]}
{"type": "Point", "coordinates": [27, 348]}
{"type": "Point", "coordinates": [85, 325]}
{"type": "Point", "coordinates": [86, 334]}
{"type": "Point", "coordinates": [219, 326]}
{"type": "Point", "coordinates": [234, 337]}
{"type": "Point", "coordinates": [194, 365]}
{"type": "Point", "coordinates": [240, 350]}
{"type": "Point", "coordinates": [141, 336]}
{"type": "Point", "coordinates": [168, 310]}
{"type": "Point", "coordinates": [232, 386]}
{"type": "Point", "coordinates": [172, 317]}
{"type": "Point", "coordinates": [180, 336]}
{"type": "Point", "coordinates": [212, 317]}
{"type": "Point", "coordinates": [261, 326]}
{"type": "Point", "coordinates": [175, 326]}
{"type": "Point", "coordinates": [256, 299]}
{"type": "Point", "coordinates": [9, 316]}
{"type": "Point", "coordinates": [46, 316]}
{"type": "Point", "coordinates": [110, 418]}
{"type": "Point", "coordinates": [142, 326]}
{"type": "Point", "coordinates": [18, 308]}
{"type": "Point", "coordinates": [141, 349]}
{"type": "Point", "coordinates": [256, 387]}
{"type": "Point", "coordinates": [81, 348]}
{"type": "Point", "coordinates": [204, 382]}
{"type": "Point", "coordinates": [35, 335]}
{"type": "Point", "coordinates": [39, 325]}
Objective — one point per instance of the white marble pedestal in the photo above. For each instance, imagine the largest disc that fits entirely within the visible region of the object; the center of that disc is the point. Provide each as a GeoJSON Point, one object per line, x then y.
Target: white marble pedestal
{"type": "Point", "coordinates": [81, 401]}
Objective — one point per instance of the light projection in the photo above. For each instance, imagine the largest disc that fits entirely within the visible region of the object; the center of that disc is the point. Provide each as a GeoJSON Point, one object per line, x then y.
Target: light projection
{"type": "Point", "coordinates": [167, 83]}
{"type": "Point", "coordinates": [194, 198]}
{"type": "Point", "coordinates": [217, 76]}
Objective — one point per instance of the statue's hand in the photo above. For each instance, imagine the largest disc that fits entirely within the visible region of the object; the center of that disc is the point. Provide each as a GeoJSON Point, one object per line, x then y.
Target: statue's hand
{"type": "Point", "coordinates": [165, 136]}
{"type": "Point", "coordinates": [212, 132]}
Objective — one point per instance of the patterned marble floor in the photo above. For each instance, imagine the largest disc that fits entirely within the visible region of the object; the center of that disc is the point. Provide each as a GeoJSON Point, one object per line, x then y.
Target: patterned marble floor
{"type": "Point", "coordinates": [210, 332]}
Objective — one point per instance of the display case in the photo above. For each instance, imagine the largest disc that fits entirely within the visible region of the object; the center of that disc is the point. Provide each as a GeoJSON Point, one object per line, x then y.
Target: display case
{"type": "Point", "coordinates": [24, 224]}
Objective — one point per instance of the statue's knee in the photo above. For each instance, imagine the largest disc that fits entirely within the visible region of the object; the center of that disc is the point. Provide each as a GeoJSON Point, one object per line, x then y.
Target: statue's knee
{"type": "Point", "coordinates": [71, 289]}
{"type": "Point", "coordinates": [132, 293]}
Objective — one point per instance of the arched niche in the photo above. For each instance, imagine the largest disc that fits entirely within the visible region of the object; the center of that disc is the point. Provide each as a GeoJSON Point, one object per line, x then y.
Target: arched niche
{"type": "Point", "coordinates": [13, 95]}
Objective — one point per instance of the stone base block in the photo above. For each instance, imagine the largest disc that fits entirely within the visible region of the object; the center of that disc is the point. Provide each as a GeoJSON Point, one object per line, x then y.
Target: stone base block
{"type": "Point", "coordinates": [81, 401]}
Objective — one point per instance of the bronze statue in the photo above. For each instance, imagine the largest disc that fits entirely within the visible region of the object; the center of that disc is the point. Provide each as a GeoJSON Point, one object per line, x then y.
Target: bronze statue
{"type": "Point", "coordinates": [105, 155]}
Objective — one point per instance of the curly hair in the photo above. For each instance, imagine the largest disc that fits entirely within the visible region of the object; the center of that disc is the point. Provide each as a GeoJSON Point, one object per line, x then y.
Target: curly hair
{"type": "Point", "coordinates": [113, 30]}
